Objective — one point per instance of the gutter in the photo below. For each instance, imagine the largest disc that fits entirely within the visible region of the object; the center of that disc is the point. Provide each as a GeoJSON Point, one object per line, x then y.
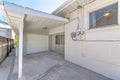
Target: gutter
{"type": "Point", "coordinates": [65, 5]}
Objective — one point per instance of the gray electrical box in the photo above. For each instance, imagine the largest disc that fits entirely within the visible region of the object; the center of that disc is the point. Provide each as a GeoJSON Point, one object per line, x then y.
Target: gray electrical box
{"type": "Point", "coordinates": [73, 34]}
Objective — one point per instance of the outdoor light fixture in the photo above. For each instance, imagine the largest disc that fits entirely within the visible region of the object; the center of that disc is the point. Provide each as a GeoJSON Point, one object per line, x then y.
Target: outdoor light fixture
{"type": "Point", "coordinates": [107, 14]}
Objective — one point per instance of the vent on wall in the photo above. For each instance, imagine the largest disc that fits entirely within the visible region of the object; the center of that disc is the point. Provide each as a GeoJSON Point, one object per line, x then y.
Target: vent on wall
{"type": "Point", "coordinates": [45, 28]}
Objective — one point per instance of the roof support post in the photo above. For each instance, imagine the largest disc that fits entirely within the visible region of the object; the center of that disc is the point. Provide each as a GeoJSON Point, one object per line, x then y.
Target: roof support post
{"type": "Point", "coordinates": [20, 54]}
{"type": "Point", "coordinates": [119, 12]}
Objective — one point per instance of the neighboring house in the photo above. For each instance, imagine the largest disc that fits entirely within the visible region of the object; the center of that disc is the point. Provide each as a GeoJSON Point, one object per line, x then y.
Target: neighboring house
{"type": "Point", "coordinates": [6, 41]}
{"type": "Point", "coordinates": [86, 31]}
{"type": "Point", "coordinates": [5, 31]}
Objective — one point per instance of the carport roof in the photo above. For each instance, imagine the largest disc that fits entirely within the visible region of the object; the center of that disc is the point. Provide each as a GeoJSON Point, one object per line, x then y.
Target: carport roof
{"type": "Point", "coordinates": [33, 20]}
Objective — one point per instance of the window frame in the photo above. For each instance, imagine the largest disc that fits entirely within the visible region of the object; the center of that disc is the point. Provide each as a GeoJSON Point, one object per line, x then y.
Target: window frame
{"type": "Point", "coordinates": [59, 42]}
{"type": "Point", "coordinates": [100, 9]}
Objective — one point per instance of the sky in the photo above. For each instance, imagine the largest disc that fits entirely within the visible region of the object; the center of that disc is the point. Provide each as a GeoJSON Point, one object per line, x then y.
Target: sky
{"type": "Point", "coordinates": [2, 19]}
{"type": "Point", "coordinates": [47, 6]}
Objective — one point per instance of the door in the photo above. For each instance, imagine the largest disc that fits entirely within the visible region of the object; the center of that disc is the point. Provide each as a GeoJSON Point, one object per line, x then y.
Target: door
{"type": "Point", "coordinates": [52, 42]}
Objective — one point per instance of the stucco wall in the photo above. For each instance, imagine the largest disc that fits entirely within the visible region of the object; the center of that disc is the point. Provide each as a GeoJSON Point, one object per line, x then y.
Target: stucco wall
{"type": "Point", "coordinates": [34, 43]}
{"type": "Point", "coordinates": [100, 50]}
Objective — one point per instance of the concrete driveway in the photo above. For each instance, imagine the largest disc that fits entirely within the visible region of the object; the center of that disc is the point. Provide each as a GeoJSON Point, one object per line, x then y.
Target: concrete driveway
{"type": "Point", "coordinates": [52, 66]}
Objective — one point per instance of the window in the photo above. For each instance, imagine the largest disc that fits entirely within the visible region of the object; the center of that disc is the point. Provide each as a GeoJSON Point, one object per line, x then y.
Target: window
{"type": "Point", "coordinates": [2, 19]}
{"type": "Point", "coordinates": [104, 17]}
{"type": "Point", "coordinates": [60, 39]}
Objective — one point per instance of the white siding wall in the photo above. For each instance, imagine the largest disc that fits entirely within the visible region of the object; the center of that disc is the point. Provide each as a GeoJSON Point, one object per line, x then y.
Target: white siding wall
{"type": "Point", "coordinates": [100, 51]}
{"type": "Point", "coordinates": [35, 43]}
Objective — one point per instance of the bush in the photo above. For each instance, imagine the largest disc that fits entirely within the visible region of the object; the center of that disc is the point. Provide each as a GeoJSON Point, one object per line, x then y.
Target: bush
{"type": "Point", "coordinates": [15, 42]}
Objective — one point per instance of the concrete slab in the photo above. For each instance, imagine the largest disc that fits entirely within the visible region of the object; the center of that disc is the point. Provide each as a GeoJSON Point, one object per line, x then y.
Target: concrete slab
{"type": "Point", "coordinates": [52, 66]}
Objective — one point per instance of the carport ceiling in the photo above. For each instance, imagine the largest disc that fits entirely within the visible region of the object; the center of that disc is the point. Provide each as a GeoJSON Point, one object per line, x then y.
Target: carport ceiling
{"type": "Point", "coordinates": [38, 24]}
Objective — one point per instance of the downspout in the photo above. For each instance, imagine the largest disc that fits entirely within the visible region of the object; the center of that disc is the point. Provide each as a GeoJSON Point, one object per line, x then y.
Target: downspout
{"type": "Point", "coordinates": [118, 12]}
{"type": "Point", "coordinates": [79, 34]}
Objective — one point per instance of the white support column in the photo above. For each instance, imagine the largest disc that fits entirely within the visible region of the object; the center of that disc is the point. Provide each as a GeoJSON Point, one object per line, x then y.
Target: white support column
{"type": "Point", "coordinates": [119, 12]}
{"type": "Point", "coordinates": [20, 54]}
